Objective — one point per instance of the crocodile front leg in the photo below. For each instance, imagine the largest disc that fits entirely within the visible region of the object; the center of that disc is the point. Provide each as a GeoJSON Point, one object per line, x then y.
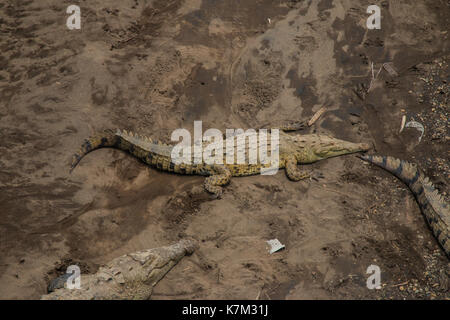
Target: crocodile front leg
{"type": "Point", "coordinates": [220, 176]}
{"type": "Point", "coordinates": [293, 172]}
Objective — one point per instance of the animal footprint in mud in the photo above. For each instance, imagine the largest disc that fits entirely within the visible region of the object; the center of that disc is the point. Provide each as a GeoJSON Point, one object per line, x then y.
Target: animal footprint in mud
{"type": "Point", "coordinates": [316, 175]}
{"type": "Point", "coordinates": [361, 91]}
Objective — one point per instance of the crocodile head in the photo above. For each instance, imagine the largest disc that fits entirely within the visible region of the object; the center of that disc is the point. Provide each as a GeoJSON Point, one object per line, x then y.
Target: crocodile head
{"type": "Point", "coordinates": [313, 147]}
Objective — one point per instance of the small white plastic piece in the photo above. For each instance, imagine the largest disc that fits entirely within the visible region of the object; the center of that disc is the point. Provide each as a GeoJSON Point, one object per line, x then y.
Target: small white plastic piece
{"type": "Point", "coordinates": [275, 245]}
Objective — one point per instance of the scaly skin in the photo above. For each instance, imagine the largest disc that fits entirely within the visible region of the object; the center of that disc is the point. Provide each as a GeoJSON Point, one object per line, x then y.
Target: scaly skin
{"type": "Point", "coordinates": [128, 277]}
{"type": "Point", "coordinates": [433, 206]}
{"type": "Point", "coordinates": [293, 150]}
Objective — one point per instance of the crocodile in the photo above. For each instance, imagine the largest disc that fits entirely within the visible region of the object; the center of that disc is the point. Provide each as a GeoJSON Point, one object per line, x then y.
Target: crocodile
{"type": "Point", "coordinates": [293, 149]}
{"type": "Point", "coordinates": [432, 205]}
{"type": "Point", "coordinates": [128, 277]}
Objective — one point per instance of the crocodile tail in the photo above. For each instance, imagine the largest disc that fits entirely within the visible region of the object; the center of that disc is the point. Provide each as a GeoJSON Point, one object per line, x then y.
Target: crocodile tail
{"type": "Point", "coordinates": [101, 140]}
{"type": "Point", "coordinates": [405, 171]}
{"type": "Point", "coordinates": [433, 206]}
{"type": "Point", "coordinates": [437, 212]}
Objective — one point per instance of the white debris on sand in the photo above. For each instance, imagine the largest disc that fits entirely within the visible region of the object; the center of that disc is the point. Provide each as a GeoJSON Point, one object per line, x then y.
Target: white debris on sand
{"type": "Point", "coordinates": [275, 245]}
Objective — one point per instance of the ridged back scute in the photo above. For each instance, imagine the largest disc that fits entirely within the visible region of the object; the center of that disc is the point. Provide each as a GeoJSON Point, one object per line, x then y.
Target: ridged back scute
{"type": "Point", "coordinates": [146, 143]}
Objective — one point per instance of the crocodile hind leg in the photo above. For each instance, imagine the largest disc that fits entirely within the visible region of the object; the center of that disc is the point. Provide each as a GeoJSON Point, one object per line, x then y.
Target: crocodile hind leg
{"type": "Point", "coordinates": [293, 172]}
{"type": "Point", "coordinates": [220, 176]}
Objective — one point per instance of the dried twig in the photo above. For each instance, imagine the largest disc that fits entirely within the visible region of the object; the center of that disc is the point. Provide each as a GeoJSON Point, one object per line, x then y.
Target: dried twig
{"type": "Point", "coordinates": [338, 192]}
{"type": "Point", "coordinates": [259, 294]}
{"type": "Point", "coordinates": [316, 116]}
{"type": "Point", "coordinates": [374, 78]}
{"type": "Point", "coordinates": [389, 68]}
{"type": "Point", "coordinates": [400, 284]}
{"type": "Point", "coordinates": [378, 73]}
{"type": "Point", "coordinates": [403, 123]}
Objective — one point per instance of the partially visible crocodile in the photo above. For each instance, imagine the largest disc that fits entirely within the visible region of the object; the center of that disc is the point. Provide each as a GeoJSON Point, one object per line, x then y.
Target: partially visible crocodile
{"type": "Point", "coordinates": [131, 276]}
{"type": "Point", "coordinates": [293, 150]}
{"type": "Point", "coordinates": [433, 206]}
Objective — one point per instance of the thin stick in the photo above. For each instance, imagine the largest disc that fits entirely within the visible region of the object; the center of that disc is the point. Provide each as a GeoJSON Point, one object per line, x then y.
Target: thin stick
{"type": "Point", "coordinates": [379, 72]}
{"type": "Point", "coordinates": [338, 192]}
{"type": "Point", "coordinates": [374, 78]}
{"type": "Point", "coordinates": [400, 284]}
{"type": "Point", "coordinates": [402, 126]}
{"type": "Point", "coordinates": [370, 85]}
{"type": "Point", "coordinates": [316, 116]}
{"type": "Point", "coordinates": [389, 68]}
{"type": "Point", "coordinates": [259, 294]}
